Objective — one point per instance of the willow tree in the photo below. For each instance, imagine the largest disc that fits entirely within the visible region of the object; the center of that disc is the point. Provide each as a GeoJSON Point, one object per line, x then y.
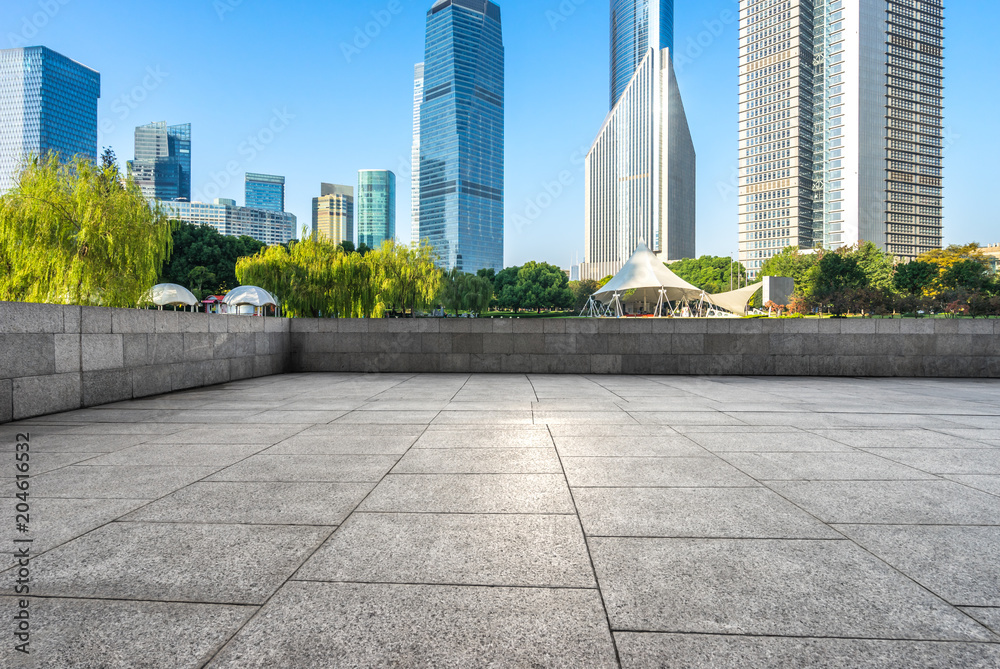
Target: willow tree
{"type": "Point", "coordinates": [78, 233]}
{"type": "Point", "coordinates": [410, 280]}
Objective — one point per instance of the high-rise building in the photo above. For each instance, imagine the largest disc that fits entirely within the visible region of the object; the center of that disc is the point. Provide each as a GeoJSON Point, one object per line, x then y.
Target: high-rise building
{"type": "Point", "coordinates": [840, 126]}
{"type": "Point", "coordinates": [418, 98]}
{"type": "Point", "coordinates": [333, 213]}
{"type": "Point", "coordinates": [376, 205]}
{"type": "Point", "coordinates": [162, 164]}
{"type": "Point", "coordinates": [265, 191]}
{"type": "Point", "coordinates": [640, 171]}
{"type": "Point", "coordinates": [48, 104]}
{"type": "Point", "coordinates": [462, 135]}
{"type": "Point", "coordinates": [631, 23]}
{"type": "Point", "coordinates": [270, 227]}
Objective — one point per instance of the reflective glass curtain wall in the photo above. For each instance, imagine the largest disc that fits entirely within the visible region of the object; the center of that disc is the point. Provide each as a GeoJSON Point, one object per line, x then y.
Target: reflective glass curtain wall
{"type": "Point", "coordinates": [48, 103]}
{"type": "Point", "coordinates": [630, 37]}
{"type": "Point", "coordinates": [462, 135]}
{"type": "Point", "coordinates": [265, 191]}
{"type": "Point", "coordinates": [162, 164]}
{"type": "Point", "coordinates": [376, 204]}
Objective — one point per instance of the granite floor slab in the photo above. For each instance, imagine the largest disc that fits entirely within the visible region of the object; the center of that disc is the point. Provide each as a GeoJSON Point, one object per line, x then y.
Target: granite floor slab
{"type": "Point", "coordinates": [456, 520]}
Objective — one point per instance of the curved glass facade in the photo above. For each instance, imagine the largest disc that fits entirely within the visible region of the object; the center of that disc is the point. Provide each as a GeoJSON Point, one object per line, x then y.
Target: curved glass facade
{"type": "Point", "coordinates": [631, 22]}
{"type": "Point", "coordinates": [376, 205]}
{"type": "Point", "coordinates": [462, 135]}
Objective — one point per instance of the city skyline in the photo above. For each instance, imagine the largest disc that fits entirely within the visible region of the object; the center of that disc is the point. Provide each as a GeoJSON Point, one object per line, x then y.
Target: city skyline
{"type": "Point", "coordinates": [539, 148]}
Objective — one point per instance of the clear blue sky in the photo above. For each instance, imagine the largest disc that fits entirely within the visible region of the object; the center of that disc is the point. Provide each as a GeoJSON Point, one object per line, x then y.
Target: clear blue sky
{"type": "Point", "coordinates": [233, 68]}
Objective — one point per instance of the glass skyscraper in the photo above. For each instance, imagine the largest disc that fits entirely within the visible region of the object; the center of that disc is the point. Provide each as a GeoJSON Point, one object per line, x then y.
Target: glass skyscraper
{"type": "Point", "coordinates": [462, 135]}
{"type": "Point", "coordinates": [376, 205]}
{"type": "Point", "coordinates": [162, 165]}
{"type": "Point", "coordinates": [636, 27]}
{"type": "Point", "coordinates": [265, 191]}
{"type": "Point", "coordinates": [48, 103]}
{"type": "Point", "coordinates": [840, 126]}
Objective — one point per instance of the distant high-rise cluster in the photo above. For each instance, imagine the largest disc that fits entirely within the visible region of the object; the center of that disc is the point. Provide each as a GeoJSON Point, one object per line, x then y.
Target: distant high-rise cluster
{"type": "Point", "coordinates": [460, 135]}
{"type": "Point", "coordinates": [840, 126]}
{"type": "Point", "coordinates": [162, 164]}
{"type": "Point", "coordinates": [640, 171]}
{"type": "Point", "coordinates": [48, 104]}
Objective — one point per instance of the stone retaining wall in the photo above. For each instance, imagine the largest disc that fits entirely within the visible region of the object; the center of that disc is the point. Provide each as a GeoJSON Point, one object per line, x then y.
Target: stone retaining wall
{"type": "Point", "coordinates": [788, 347]}
{"type": "Point", "coordinates": [57, 358]}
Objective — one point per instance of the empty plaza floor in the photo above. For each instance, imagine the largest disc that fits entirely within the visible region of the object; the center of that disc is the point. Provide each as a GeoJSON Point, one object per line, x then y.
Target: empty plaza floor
{"type": "Point", "coordinates": [399, 520]}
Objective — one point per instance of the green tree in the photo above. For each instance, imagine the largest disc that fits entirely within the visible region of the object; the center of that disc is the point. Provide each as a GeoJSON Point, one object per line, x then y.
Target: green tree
{"type": "Point", "coordinates": [790, 262]}
{"type": "Point", "coordinates": [201, 276]}
{"type": "Point", "coordinates": [967, 275]}
{"type": "Point", "coordinates": [833, 279]}
{"type": "Point", "coordinates": [204, 246]}
{"type": "Point", "coordinates": [914, 277]}
{"type": "Point", "coordinates": [505, 289]}
{"type": "Point", "coordinates": [79, 233]}
{"type": "Point", "coordinates": [543, 286]}
{"type": "Point", "coordinates": [877, 265]}
{"type": "Point", "coordinates": [713, 274]}
{"type": "Point", "coordinates": [582, 290]}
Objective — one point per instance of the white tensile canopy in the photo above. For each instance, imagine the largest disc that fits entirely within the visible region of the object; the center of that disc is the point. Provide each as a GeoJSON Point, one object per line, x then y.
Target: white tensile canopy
{"type": "Point", "coordinates": [646, 274]}
{"type": "Point", "coordinates": [251, 295]}
{"type": "Point", "coordinates": [167, 294]}
{"type": "Point", "coordinates": [735, 301]}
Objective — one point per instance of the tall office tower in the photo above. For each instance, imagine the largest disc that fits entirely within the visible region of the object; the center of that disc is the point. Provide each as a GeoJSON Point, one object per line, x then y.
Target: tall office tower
{"type": "Point", "coordinates": [418, 97]}
{"type": "Point", "coordinates": [376, 204]}
{"type": "Point", "coordinates": [640, 171]}
{"type": "Point", "coordinates": [840, 126]}
{"type": "Point", "coordinates": [162, 165]}
{"type": "Point", "coordinates": [462, 135]}
{"type": "Point", "coordinates": [265, 191]}
{"type": "Point", "coordinates": [48, 104]}
{"type": "Point", "coordinates": [333, 213]}
{"type": "Point", "coordinates": [631, 22]}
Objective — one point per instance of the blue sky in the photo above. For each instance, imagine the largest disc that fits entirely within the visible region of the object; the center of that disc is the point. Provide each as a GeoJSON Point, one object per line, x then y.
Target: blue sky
{"type": "Point", "coordinates": [284, 88]}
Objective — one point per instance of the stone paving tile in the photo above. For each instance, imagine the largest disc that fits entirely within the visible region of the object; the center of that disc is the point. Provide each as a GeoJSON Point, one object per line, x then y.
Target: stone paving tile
{"type": "Point", "coordinates": [767, 442]}
{"type": "Point", "coordinates": [495, 405]}
{"type": "Point", "coordinates": [55, 521]}
{"type": "Point", "coordinates": [485, 438]}
{"type": "Point", "coordinates": [47, 462]}
{"type": "Point", "coordinates": [987, 616]}
{"type": "Point", "coordinates": [483, 418]}
{"type": "Point", "coordinates": [982, 422]}
{"type": "Point", "coordinates": [654, 472]}
{"type": "Point", "coordinates": [404, 405]}
{"type": "Point", "coordinates": [115, 481]}
{"type": "Point", "coordinates": [695, 512]}
{"type": "Point", "coordinates": [349, 430]}
{"type": "Point", "coordinates": [742, 652]}
{"type": "Point", "coordinates": [585, 430]}
{"type": "Point", "coordinates": [230, 434]}
{"type": "Point", "coordinates": [990, 484]}
{"type": "Point", "coordinates": [897, 439]}
{"type": "Point", "coordinates": [892, 502]}
{"type": "Point", "coordinates": [822, 467]}
{"type": "Point", "coordinates": [76, 443]}
{"type": "Point", "coordinates": [294, 416]}
{"type": "Point", "coordinates": [804, 421]}
{"type": "Point", "coordinates": [479, 461]}
{"type": "Point", "coordinates": [470, 549]}
{"type": "Point", "coordinates": [470, 493]}
{"type": "Point", "coordinates": [185, 455]}
{"type": "Point", "coordinates": [127, 635]}
{"type": "Point", "coordinates": [260, 503]}
{"type": "Point", "coordinates": [684, 418]}
{"type": "Point", "coordinates": [959, 564]}
{"type": "Point", "coordinates": [343, 445]}
{"type": "Point", "coordinates": [785, 588]}
{"type": "Point", "coordinates": [227, 564]}
{"type": "Point", "coordinates": [303, 468]}
{"type": "Point", "coordinates": [945, 461]}
{"type": "Point", "coordinates": [738, 429]}
{"type": "Point", "coordinates": [665, 446]}
{"type": "Point", "coordinates": [376, 417]}
{"type": "Point", "coordinates": [375, 625]}
{"type": "Point", "coordinates": [583, 418]}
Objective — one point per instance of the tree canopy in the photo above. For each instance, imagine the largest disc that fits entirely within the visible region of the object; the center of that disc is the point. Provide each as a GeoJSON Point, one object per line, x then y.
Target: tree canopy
{"type": "Point", "coordinates": [713, 274]}
{"type": "Point", "coordinates": [205, 259]}
{"type": "Point", "coordinates": [534, 285]}
{"type": "Point", "coordinates": [79, 233]}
